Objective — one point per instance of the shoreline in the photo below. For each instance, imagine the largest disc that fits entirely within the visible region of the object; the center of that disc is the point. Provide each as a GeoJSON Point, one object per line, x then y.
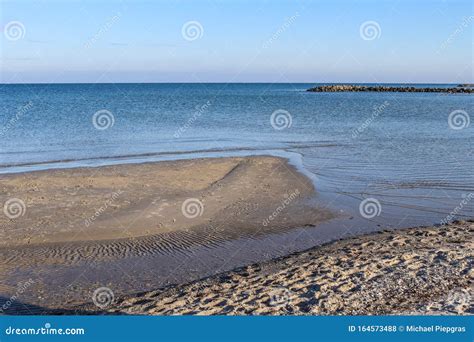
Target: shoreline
{"type": "Point", "coordinates": [151, 197]}
{"type": "Point", "coordinates": [82, 212]}
{"type": "Point", "coordinates": [424, 270]}
{"type": "Point", "coordinates": [419, 270]}
{"type": "Point", "coordinates": [80, 228]}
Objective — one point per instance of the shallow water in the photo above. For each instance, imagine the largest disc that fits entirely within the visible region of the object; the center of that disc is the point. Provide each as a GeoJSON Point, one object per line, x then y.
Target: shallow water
{"type": "Point", "coordinates": [395, 148]}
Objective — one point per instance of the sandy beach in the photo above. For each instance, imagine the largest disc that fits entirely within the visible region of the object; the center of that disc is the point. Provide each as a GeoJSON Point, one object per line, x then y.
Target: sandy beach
{"type": "Point", "coordinates": [82, 227]}
{"type": "Point", "coordinates": [79, 226]}
{"type": "Point", "coordinates": [258, 171]}
{"type": "Point", "coordinates": [426, 270]}
{"type": "Point", "coordinates": [136, 200]}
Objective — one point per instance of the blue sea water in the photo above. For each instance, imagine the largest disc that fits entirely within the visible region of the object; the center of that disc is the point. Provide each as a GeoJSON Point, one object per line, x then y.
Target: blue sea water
{"type": "Point", "coordinates": [402, 149]}
{"type": "Point", "coordinates": [377, 160]}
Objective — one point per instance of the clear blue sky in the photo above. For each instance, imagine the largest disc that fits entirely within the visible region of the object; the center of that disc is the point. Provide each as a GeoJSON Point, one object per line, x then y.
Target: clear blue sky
{"type": "Point", "coordinates": [241, 41]}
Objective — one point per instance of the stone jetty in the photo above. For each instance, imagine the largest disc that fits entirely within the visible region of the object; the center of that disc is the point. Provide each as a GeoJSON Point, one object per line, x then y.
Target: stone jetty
{"type": "Point", "coordinates": [410, 89]}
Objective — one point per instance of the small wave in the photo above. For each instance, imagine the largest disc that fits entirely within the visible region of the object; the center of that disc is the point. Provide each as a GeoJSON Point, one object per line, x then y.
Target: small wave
{"type": "Point", "coordinates": [126, 156]}
{"type": "Point", "coordinates": [99, 161]}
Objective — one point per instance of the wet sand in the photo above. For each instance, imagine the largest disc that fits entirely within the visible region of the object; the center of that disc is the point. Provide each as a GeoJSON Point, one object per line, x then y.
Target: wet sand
{"type": "Point", "coordinates": [83, 227]}
{"type": "Point", "coordinates": [128, 201]}
{"type": "Point", "coordinates": [426, 270]}
{"type": "Point", "coordinates": [116, 227]}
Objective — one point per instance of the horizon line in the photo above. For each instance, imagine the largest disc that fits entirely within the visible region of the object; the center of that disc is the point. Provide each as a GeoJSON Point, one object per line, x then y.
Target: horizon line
{"type": "Point", "coordinates": [171, 82]}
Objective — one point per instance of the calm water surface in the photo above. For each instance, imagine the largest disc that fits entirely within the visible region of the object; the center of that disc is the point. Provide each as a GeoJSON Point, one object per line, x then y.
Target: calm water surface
{"type": "Point", "coordinates": [396, 148]}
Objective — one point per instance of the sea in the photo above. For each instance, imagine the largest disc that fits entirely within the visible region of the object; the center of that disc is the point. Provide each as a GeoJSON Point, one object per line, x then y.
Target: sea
{"type": "Point", "coordinates": [413, 152]}
{"type": "Point", "coordinates": [378, 160]}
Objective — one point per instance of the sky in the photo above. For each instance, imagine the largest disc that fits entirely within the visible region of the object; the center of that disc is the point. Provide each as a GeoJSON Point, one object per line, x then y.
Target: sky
{"type": "Point", "coordinates": [425, 41]}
